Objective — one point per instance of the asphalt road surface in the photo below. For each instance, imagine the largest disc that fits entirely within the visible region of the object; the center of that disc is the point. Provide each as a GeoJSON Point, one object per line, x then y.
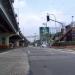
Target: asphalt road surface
{"type": "Point", "coordinates": [37, 61]}
{"type": "Point", "coordinates": [45, 61]}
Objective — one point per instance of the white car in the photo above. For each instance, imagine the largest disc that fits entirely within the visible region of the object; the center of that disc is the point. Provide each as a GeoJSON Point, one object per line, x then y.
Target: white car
{"type": "Point", "coordinates": [44, 45]}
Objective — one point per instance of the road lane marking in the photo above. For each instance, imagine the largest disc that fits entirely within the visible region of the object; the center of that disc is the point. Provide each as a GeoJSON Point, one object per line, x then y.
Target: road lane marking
{"type": "Point", "coordinates": [3, 53]}
{"type": "Point", "coordinates": [28, 52]}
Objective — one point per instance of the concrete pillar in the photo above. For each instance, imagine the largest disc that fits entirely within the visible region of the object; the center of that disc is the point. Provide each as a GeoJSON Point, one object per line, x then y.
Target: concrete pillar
{"type": "Point", "coordinates": [4, 41]}
{"type": "Point", "coordinates": [7, 40]}
{"type": "Point", "coordinates": [17, 43]}
{"type": "Point", "coordinates": [0, 40]}
{"type": "Point", "coordinates": [23, 45]}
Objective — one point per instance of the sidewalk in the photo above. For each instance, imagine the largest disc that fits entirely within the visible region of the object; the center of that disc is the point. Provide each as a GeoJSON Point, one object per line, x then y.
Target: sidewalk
{"type": "Point", "coordinates": [14, 62]}
{"type": "Point", "coordinates": [4, 50]}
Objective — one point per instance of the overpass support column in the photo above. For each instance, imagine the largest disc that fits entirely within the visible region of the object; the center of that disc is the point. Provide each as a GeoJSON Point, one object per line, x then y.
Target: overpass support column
{"type": "Point", "coordinates": [17, 43]}
{"type": "Point", "coordinates": [7, 41]}
{"type": "Point", "coordinates": [4, 41]}
{"type": "Point", "coordinates": [23, 44]}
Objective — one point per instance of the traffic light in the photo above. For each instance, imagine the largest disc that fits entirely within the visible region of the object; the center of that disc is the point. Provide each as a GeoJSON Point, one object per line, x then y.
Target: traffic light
{"type": "Point", "coordinates": [48, 18]}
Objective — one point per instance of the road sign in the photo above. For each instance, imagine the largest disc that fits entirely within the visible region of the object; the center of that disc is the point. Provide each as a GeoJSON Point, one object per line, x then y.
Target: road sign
{"type": "Point", "coordinates": [44, 32]}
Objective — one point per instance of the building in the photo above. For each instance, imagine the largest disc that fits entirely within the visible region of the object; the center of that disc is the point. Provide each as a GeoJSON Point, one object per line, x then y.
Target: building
{"type": "Point", "coordinates": [68, 34]}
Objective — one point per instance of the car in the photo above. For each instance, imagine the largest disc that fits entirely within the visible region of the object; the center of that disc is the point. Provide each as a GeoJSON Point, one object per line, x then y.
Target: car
{"type": "Point", "coordinates": [44, 45]}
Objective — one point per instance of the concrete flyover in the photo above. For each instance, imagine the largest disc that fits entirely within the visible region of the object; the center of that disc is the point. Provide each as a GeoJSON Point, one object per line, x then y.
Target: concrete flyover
{"type": "Point", "coordinates": [18, 40]}
{"type": "Point", "coordinates": [9, 29]}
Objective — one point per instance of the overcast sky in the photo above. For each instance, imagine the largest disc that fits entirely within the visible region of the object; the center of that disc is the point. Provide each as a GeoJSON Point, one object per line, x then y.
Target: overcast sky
{"type": "Point", "coordinates": [32, 13]}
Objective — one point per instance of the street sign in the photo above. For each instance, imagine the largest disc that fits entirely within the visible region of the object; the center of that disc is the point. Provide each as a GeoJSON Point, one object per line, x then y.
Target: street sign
{"type": "Point", "coordinates": [44, 32]}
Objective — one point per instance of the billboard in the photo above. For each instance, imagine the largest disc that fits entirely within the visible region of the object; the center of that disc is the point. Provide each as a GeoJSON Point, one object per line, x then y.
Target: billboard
{"type": "Point", "coordinates": [44, 32]}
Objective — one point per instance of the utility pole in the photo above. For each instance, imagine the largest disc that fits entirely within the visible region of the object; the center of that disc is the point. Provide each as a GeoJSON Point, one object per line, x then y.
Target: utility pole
{"type": "Point", "coordinates": [72, 21]}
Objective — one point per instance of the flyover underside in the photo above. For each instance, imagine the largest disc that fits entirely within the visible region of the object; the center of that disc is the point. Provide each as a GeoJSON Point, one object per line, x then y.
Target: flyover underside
{"type": "Point", "coordinates": [15, 38]}
{"type": "Point", "coordinates": [9, 29]}
{"type": "Point", "coordinates": [4, 27]}
{"type": "Point", "coordinates": [5, 31]}
{"type": "Point", "coordinates": [8, 11]}
{"type": "Point", "coordinates": [9, 40]}
{"type": "Point", "coordinates": [7, 35]}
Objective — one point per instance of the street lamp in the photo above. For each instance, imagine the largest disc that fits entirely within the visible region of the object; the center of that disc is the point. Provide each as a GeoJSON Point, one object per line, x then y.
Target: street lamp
{"type": "Point", "coordinates": [72, 20]}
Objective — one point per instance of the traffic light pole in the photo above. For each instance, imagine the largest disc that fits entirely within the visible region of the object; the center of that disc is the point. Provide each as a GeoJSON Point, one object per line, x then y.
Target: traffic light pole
{"type": "Point", "coordinates": [48, 19]}
{"type": "Point", "coordinates": [57, 22]}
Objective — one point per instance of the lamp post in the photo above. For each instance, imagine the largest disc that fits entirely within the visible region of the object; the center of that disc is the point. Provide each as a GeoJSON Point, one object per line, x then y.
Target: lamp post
{"type": "Point", "coordinates": [72, 21]}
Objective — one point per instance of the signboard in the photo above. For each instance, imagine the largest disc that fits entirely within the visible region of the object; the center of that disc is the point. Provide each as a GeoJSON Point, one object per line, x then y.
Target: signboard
{"type": "Point", "coordinates": [44, 32]}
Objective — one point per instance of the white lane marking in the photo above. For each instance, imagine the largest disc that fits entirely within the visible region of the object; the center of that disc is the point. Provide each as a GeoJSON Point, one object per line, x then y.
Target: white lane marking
{"type": "Point", "coordinates": [3, 53]}
{"type": "Point", "coordinates": [28, 52]}
{"type": "Point", "coordinates": [53, 53]}
{"type": "Point", "coordinates": [68, 51]}
{"type": "Point", "coordinates": [64, 50]}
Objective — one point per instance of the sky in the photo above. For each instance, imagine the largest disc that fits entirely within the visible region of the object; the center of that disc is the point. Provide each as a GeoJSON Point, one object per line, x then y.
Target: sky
{"type": "Point", "coordinates": [32, 14]}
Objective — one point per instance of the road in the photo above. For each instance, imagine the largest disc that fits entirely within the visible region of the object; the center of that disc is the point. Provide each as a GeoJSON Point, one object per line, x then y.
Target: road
{"type": "Point", "coordinates": [37, 61]}
{"type": "Point", "coordinates": [45, 61]}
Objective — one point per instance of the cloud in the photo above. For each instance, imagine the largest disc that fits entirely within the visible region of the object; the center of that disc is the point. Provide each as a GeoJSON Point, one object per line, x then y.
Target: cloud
{"type": "Point", "coordinates": [59, 15]}
{"type": "Point", "coordinates": [30, 21]}
{"type": "Point", "coordinates": [20, 3]}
